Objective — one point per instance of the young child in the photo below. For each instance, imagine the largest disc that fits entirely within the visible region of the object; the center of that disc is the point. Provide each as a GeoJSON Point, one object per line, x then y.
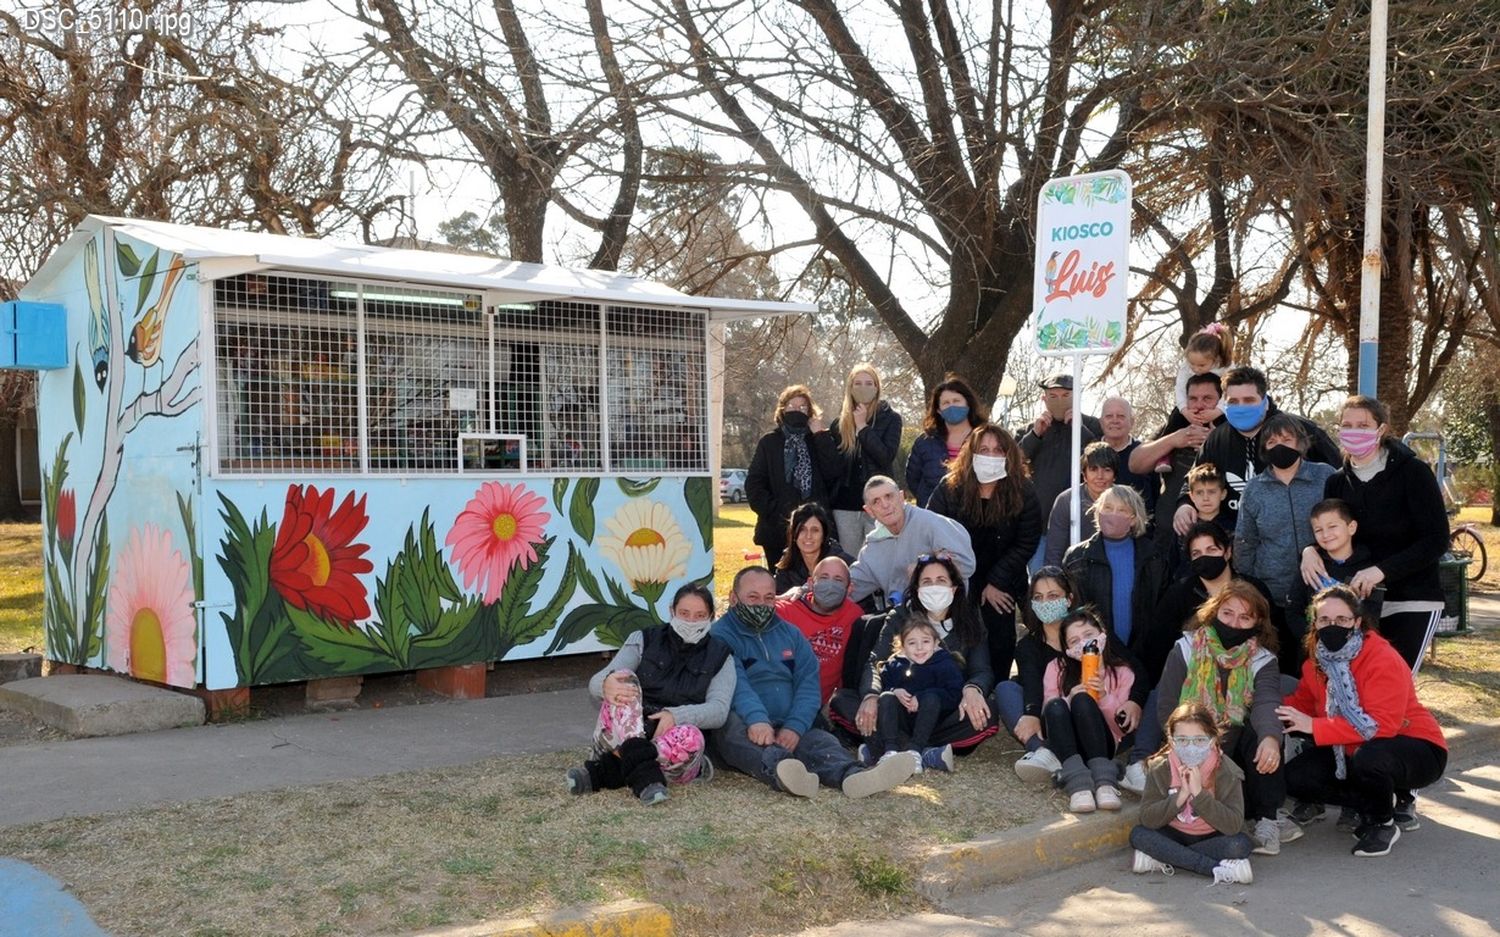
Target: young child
{"type": "Point", "coordinates": [1209, 492]}
{"type": "Point", "coordinates": [1193, 808]}
{"type": "Point", "coordinates": [1334, 527]}
{"type": "Point", "coordinates": [1207, 350]}
{"type": "Point", "coordinates": [920, 684]}
{"type": "Point", "coordinates": [1084, 721]}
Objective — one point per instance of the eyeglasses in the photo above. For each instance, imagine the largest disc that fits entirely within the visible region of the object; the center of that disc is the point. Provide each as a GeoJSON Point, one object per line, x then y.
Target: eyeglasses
{"type": "Point", "coordinates": [1342, 621]}
{"type": "Point", "coordinates": [1190, 740]}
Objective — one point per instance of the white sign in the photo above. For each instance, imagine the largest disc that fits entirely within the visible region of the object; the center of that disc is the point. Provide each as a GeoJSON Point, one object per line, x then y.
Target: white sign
{"type": "Point", "coordinates": [1082, 264]}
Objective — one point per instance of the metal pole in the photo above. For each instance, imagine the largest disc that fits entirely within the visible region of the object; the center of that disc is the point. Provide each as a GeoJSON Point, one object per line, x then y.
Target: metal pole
{"type": "Point", "coordinates": [1077, 446]}
{"type": "Point", "coordinates": [1369, 283]}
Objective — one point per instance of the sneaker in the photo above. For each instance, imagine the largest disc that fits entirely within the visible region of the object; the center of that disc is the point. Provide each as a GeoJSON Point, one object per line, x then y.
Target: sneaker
{"type": "Point", "coordinates": [1287, 830]}
{"type": "Point", "coordinates": [1233, 872]}
{"type": "Point", "coordinates": [1377, 840]}
{"type": "Point", "coordinates": [1145, 865]}
{"type": "Point", "coordinates": [1106, 797]}
{"type": "Point", "coordinates": [884, 776]}
{"type": "Point", "coordinates": [864, 756]}
{"type": "Point", "coordinates": [1082, 802]}
{"type": "Point", "coordinates": [795, 779]}
{"type": "Point", "coordinates": [1406, 814]}
{"type": "Point", "coordinates": [705, 771]}
{"type": "Point", "coordinates": [578, 781]}
{"type": "Point", "coordinates": [1038, 767]}
{"type": "Point", "coordinates": [1304, 813]}
{"type": "Point", "coordinates": [1267, 838]}
{"type": "Point", "coordinates": [1349, 820]}
{"type": "Point", "coordinates": [1134, 780]}
{"type": "Point", "coordinates": [938, 759]}
{"type": "Point", "coordinates": [654, 794]}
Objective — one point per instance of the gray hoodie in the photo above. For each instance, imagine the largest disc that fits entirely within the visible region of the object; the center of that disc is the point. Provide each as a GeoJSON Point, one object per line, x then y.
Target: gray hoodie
{"type": "Point", "coordinates": [885, 562]}
{"type": "Point", "coordinates": [1275, 524]}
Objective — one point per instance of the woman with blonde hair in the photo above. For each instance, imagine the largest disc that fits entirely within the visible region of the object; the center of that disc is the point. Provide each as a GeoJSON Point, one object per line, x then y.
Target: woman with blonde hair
{"type": "Point", "coordinates": [796, 462]}
{"type": "Point", "coordinates": [988, 491]}
{"type": "Point", "coordinates": [868, 434]}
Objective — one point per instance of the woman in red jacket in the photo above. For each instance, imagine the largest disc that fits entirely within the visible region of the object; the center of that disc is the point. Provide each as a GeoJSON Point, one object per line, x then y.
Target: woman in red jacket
{"type": "Point", "coordinates": [1370, 735]}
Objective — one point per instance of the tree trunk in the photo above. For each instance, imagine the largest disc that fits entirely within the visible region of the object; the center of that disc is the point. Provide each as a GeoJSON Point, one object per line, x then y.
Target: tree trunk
{"type": "Point", "coordinates": [1492, 418]}
{"type": "Point", "coordinates": [10, 482]}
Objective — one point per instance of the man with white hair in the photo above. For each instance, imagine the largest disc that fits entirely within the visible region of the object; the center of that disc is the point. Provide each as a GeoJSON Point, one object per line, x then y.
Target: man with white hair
{"type": "Point", "coordinates": [902, 533]}
{"type": "Point", "coordinates": [1117, 417]}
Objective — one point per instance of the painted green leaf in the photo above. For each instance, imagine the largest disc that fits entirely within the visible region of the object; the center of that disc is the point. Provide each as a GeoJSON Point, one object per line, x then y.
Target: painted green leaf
{"type": "Point", "coordinates": [635, 487]}
{"type": "Point", "coordinates": [148, 279]}
{"type": "Point", "coordinates": [559, 491]}
{"type": "Point", "coordinates": [255, 626]}
{"type": "Point", "coordinates": [342, 650]}
{"type": "Point", "coordinates": [581, 508]}
{"type": "Point", "coordinates": [520, 587]}
{"type": "Point", "coordinates": [585, 576]}
{"type": "Point", "coordinates": [78, 397]}
{"type": "Point", "coordinates": [189, 527]}
{"type": "Point", "coordinates": [622, 624]}
{"type": "Point", "coordinates": [700, 502]}
{"type": "Point", "coordinates": [126, 257]}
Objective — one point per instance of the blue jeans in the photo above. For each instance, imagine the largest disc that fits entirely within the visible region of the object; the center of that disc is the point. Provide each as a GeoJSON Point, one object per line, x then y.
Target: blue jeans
{"type": "Point", "coordinates": [1186, 851]}
{"type": "Point", "coordinates": [1035, 563]}
{"type": "Point", "coordinates": [1010, 701]}
{"type": "Point", "coordinates": [1149, 734]}
{"type": "Point", "coordinates": [818, 751]}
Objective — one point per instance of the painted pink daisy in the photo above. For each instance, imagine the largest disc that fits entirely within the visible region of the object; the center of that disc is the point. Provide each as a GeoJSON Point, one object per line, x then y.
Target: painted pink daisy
{"type": "Point", "coordinates": [151, 631]}
{"type": "Point", "coordinates": [497, 530]}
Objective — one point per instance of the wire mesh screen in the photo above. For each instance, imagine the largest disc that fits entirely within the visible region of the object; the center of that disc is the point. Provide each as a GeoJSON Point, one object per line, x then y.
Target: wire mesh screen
{"type": "Point", "coordinates": [656, 390]}
{"type": "Point", "coordinates": [427, 376]}
{"type": "Point", "coordinates": [547, 382]}
{"type": "Point", "coordinates": [288, 372]}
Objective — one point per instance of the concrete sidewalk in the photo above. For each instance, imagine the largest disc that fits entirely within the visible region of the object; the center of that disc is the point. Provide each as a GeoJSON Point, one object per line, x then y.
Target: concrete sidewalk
{"type": "Point", "coordinates": [105, 775]}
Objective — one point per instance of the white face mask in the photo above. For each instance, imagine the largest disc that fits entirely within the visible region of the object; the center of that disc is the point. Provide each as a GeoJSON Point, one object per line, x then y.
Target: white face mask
{"type": "Point", "coordinates": [690, 631]}
{"type": "Point", "coordinates": [935, 599]}
{"type": "Point", "coordinates": [989, 468]}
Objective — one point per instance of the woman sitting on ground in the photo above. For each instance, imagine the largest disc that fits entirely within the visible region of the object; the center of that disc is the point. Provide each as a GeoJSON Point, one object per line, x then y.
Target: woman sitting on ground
{"type": "Point", "coordinates": [1020, 700]}
{"type": "Point", "coordinates": [1371, 737]}
{"type": "Point", "coordinates": [810, 539]}
{"type": "Point", "coordinates": [664, 688]}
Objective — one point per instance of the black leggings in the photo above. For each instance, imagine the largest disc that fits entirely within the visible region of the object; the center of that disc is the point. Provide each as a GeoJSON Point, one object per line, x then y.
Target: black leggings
{"type": "Point", "coordinates": [1263, 792]}
{"type": "Point", "coordinates": [1375, 771]}
{"type": "Point", "coordinates": [893, 722]}
{"type": "Point", "coordinates": [1077, 727]}
{"type": "Point", "coordinates": [1001, 629]}
{"type": "Point", "coordinates": [633, 764]}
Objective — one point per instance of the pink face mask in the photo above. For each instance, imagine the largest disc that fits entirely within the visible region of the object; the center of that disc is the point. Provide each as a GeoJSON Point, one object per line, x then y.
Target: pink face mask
{"type": "Point", "coordinates": [1115, 526]}
{"type": "Point", "coordinates": [1359, 443]}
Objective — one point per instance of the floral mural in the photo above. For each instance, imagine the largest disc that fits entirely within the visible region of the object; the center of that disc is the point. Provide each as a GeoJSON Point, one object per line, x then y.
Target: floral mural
{"type": "Point", "coordinates": [498, 529]}
{"type": "Point", "coordinates": [152, 631]}
{"type": "Point", "coordinates": [315, 563]}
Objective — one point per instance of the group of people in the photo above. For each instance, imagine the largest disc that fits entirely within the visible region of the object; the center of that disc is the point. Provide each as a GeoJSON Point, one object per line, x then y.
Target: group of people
{"type": "Point", "coordinates": [1233, 638]}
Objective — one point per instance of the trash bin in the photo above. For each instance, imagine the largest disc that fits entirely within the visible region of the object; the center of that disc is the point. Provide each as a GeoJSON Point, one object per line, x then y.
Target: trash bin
{"type": "Point", "coordinates": [1453, 574]}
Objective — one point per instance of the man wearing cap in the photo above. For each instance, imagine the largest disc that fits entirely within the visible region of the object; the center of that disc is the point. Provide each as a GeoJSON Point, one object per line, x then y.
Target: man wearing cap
{"type": "Point", "coordinates": [1048, 446]}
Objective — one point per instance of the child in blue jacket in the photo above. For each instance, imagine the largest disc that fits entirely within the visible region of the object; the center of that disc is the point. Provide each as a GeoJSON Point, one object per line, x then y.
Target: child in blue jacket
{"type": "Point", "coordinates": [919, 685]}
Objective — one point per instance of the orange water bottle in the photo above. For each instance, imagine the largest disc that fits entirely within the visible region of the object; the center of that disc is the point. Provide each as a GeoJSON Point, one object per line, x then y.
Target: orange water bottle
{"type": "Point", "coordinates": [1090, 661]}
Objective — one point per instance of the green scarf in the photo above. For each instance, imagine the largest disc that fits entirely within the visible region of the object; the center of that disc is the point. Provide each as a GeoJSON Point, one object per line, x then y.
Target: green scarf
{"type": "Point", "coordinates": [1202, 683]}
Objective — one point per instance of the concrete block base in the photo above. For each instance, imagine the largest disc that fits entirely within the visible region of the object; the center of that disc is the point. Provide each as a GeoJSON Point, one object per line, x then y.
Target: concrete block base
{"type": "Point", "coordinates": [19, 666]}
{"type": "Point", "coordinates": [100, 704]}
{"type": "Point", "coordinates": [332, 693]}
{"type": "Point", "coordinates": [226, 705]}
{"type": "Point", "coordinates": [461, 681]}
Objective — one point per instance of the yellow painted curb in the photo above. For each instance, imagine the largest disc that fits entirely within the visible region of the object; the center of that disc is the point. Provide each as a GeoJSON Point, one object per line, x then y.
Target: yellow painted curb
{"type": "Point", "coordinates": [628, 918]}
{"type": "Point", "coordinates": [1042, 846]}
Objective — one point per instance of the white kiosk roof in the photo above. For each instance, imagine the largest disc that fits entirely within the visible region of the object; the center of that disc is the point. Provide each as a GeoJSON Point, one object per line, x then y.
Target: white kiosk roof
{"type": "Point", "coordinates": [223, 253]}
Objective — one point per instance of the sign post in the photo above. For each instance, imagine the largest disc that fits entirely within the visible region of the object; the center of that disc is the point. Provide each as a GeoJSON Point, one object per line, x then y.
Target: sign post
{"type": "Point", "coordinates": [1081, 276]}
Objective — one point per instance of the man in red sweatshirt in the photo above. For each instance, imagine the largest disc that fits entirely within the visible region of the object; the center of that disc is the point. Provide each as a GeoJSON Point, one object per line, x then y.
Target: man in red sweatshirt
{"type": "Point", "coordinates": [826, 616]}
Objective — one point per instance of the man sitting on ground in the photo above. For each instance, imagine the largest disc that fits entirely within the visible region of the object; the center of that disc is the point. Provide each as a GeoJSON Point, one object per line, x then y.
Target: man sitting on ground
{"type": "Point", "coordinates": [828, 620]}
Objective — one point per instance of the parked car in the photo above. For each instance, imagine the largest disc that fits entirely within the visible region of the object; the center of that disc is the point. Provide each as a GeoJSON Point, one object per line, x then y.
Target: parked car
{"type": "Point", "coordinates": [732, 485]}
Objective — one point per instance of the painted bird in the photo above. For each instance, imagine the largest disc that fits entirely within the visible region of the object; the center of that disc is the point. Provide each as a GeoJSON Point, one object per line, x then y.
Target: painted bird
{"type": "Point", "coordinates": [99, 330]}
{"type": "Point", "coordinates": [1050, 276]}
{"type": "Point", "coordinates": [145, 339]}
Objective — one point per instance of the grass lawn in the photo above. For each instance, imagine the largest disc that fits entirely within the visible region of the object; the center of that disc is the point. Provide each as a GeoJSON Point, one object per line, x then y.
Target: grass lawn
{"type": "Point", "coordinates": [733, 547]}
{"type": "Point", "coordinates": [20, 587]}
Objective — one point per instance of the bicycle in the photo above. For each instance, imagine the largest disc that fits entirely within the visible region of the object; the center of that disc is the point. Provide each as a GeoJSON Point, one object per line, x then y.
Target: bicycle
{"type": "Point", "coordinates": [1464, 538]}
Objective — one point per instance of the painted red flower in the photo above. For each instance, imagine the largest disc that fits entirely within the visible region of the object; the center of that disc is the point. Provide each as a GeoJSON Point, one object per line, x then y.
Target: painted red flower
{"type": "Point", "coordinates": [67, 515]}
{"type": "Point", "coordinates": [498, 529]}
{"type": "Point", "coordinates": [315, 563]}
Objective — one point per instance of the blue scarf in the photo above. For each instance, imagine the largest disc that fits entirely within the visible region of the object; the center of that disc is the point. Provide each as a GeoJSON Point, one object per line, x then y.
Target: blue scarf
{"type": "Point", "coordinates": [1343, 695]}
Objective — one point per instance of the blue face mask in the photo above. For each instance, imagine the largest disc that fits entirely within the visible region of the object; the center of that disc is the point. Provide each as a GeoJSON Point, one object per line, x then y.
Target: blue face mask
{"type": "Point", "coordinates": [1048, 610]}
{"type": "Point", "coordinates": [1246, 416]}
{"type": "Point", "coordinates": [954, 414]}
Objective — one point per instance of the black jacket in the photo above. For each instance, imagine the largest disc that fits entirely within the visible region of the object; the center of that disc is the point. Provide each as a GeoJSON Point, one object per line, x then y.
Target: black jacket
{"type": "Point", "coordinates": [772, 495]}
{"type": "Point", "coordinates": [1179, 603]}
{"type": "Point", "coordinates": [1000, 551]}
{"type": "Point", "coordinates": [874, 454]}
{"type": "Point", "coordinates": [975, 659]}
{"type": "Point", "coordinates": [1093, 582]}
{"type": "Point", "coordinates": [1032, 657]}
{"type": "Point", "coordinates": [1051, 456]}
{"type": "Point", "coordinates": [673, 672]}
{"type": "Point", "coordinates": [1239, 458]}
{"type": "Point", "coordinates": [1402, 522]}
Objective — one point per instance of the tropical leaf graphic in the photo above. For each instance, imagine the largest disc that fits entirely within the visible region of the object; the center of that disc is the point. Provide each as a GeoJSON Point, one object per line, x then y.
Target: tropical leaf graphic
{"type": "Point", "coordinates": [581, 508]}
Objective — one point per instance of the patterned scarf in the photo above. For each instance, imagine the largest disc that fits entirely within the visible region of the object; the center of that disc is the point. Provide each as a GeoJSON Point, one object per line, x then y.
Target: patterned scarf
{"type": "Point", "coordinates": [1343, 695]}
{"type": "Point", "coordinates": [1202, 683]}
{"type": "Point", "coordinates": [799, 462]}
{"type": "Point", "coordinates": [1186, 820]}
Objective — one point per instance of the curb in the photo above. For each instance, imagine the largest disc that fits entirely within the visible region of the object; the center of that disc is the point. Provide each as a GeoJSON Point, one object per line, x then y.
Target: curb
{"type": "Point", "coordinates": [629, 918]}
{"type": "Point", "coordinates": [1048, 845]}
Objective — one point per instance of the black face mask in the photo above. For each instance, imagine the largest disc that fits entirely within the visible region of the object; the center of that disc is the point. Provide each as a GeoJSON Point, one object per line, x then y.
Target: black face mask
{"type": "Point", "coordinates": [1232, 638]}
{"type": "Point", "coordinates": [1334, 638]}
{"type": "Point", "coordinates": [1283, 457]}
{"type": "Point", "coordinates": [794, 420]}
{"type": "Point", "coordinates": [1208, 567]}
